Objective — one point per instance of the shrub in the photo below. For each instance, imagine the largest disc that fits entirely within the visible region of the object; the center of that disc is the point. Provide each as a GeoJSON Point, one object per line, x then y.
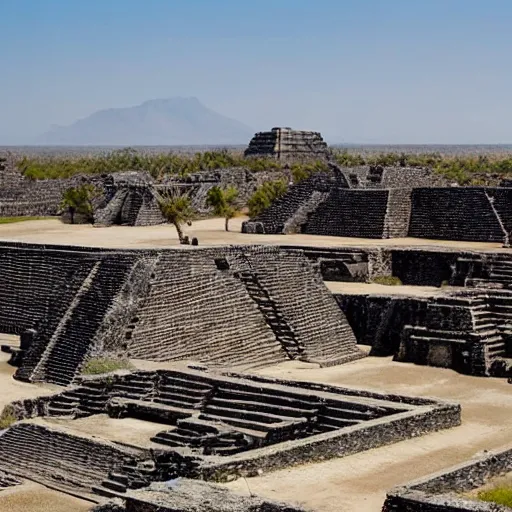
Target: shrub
{"type": "Point", "coordinates": [265, 195]}
{"type": "Point", "coordinates": [387, 280]}
{"type": "Point", "coordinates": [79, 200]}
{"type": "Point", "coordinates": [98, 365]}
{"type": "Point", "coordinates": [499, 495]}
{"type": "Point", "coordinates": [7, 418]}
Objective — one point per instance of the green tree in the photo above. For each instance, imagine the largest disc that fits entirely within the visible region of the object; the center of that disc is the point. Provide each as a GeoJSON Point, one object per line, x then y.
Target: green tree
{"type": "Point", "coordinates": [265, 195]}
{"type": "Point", "coordinates": [223, 203]}
{"type": "Point", "coordinates": [176, 209]}
{"type": "Point", "coordinates": [79, 200]}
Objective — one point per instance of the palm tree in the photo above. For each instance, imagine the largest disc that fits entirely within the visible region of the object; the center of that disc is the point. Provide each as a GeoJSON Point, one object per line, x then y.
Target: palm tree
{"type": "Point", "coordinates": [176, 209]}
{"type": "Point", "coordinates": [80, 200]}
{"type": "Point", "coordinates": [223, 202]}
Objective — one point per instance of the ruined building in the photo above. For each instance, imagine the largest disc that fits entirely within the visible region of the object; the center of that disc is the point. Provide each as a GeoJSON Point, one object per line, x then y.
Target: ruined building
{"type": "Point", "coordinates": [232, 306]}
{"type": "Point", "coordinates": [381, 207]}
{"type": "Point", "coordinates": [286, 144]}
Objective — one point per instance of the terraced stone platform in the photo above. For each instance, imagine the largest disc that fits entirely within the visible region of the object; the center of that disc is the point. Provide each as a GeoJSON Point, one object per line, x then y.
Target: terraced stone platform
{"type": "Point", "coordinates": [228, 306]}
{"type": "Point", "coordinates": [219, 426]}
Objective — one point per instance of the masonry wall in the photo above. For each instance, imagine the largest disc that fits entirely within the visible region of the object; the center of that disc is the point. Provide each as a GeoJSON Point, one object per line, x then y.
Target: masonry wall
{"type": "Point", "coordinates": [378, 321]}
{"type": "Point", "coordinates": [444, 491]}
{"type": "Point", "coordinates": [459, 213]}
{"type": "Point", "coordinates": [350, 213]}
{"type": "Point", "coordinates": [196, 310]}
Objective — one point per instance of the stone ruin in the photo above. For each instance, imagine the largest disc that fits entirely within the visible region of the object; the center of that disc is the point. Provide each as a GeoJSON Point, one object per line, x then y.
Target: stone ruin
{"type": "Point", "coordinates": [219, 427]}
{"type": "Point", "coordinates": [328, 204]}
{"type": "Point", "coordinates": [287, 145]}
{"type": "Point", "coordinates": [236, 306]}
{"type": "Point", "coordinates": [466, 326]}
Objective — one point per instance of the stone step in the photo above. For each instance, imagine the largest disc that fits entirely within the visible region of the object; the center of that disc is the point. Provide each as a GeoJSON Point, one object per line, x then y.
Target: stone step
{"type": "Point", "coordinates": [174, 403]}
{"type": "Point", "coordinates": [185, 383]}
{"type": "Point", "coordinates": [255, 428]}
{"type": "Point", "coordinates": [119, 477]}
{"type": "Point", "coordinates": [258, 416]}
{"type": "Point", "coordinates": [103, 491]}
{"type": "Point", "coordinates": [184, 390]}
{"type": "Point", "coordinates": [178, 397]}
{"type": "Point", "coordinates": [268, 397]}
{"type": "Point", "coordinates": [280, 410]}
{"type": "Point", "coordinates": [114, 485]}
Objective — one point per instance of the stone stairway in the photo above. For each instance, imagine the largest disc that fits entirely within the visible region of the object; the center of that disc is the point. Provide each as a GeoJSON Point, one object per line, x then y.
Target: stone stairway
{"type": "Point", "coordinates": [130, 475]}
{"type": "Point", "coordinates": [211, 438]}
{"type": "Point", "coordinates": [85, 400]}
{"type": "Point", "coordinates": [183, 391]}
{"type": "Point", "coordinates": [54, 320]}
{"type": "Point", "coordinates": [72, 341]}
{"type": "Point", "coordinates": [489, 271]}
{"type": "Point", "coordinates": [287, 213]}
{"type": "Point", "coordinates": [54, 457]}
{"type": "Point", "coordinates": [7, 480]}
{"type": "Point", "coordinates": [461, 332]}
{"type": "Point", "coordinates": [333, 415]}
{"type": "Point", "coordinates": [131, 207]}
{"type": "Point", "coordinates": [274, 319]}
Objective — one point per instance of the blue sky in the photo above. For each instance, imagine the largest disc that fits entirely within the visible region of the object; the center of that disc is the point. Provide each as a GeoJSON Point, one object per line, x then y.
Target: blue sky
{"type": "Point", "coordinates": [373, 71]}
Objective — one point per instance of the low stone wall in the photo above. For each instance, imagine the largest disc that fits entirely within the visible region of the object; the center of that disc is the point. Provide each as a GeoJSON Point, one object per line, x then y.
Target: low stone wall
{"type": "Point", "coordinates": [186, 495]}
{"type": "Point", "coordinates": [441, 492]}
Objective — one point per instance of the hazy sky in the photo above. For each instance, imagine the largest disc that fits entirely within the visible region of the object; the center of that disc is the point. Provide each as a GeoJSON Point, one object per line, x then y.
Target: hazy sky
{"type": "Point", "coordinates": [377, 71]}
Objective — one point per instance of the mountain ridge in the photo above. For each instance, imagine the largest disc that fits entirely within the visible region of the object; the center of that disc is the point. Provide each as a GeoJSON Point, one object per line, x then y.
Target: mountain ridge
{"type": "Point", "coordinates": [164, 121]}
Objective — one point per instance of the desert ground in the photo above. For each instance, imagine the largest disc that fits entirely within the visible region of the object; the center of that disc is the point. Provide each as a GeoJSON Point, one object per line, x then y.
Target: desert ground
{"type": "Point", "coordinates": [208, 232]}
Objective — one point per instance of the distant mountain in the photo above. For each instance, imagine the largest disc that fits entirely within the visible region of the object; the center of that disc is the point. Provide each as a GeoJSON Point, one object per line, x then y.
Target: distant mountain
{"type": "Point", "coordinates": [174, 121]}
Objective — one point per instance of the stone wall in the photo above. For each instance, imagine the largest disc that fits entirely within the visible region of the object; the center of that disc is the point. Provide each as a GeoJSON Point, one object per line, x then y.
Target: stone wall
{"type": "Point", "coordinates": [196, 496]}
{"type": "Point", "coordinates": [466, 331]}
{"type": "Point", "coordinates": [288, 213]}
{"type": "Point", "coordinates": [51, 456]}
{"type": "Point", "coordinates": [327, 207]}
{"type": "Point", "coordinates": [266, 292]}
{"type": "Point", "coordinates": [443, 491]}
{"type": "Point", "coordinates": [377, 176]}
{"type": "Point", "coordinates": [461, 213]}
{"type": "Point", "coordinates": [350, 213]}
{"type": "Point", "coordinates": [284, 423]}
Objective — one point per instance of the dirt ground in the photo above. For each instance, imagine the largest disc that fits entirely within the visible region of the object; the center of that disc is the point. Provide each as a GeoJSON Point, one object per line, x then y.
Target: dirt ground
{"type": "Point", "coordinates": [32, 497]}
{"type": "Point", "coordinates": [128, 431]}
{"type": "Point", "coordinates": [381, 289]}
{"type": "Point", "coordinates": [208, 232]}
{"type": "Point", "coordinates": [359, 483]}
{"type": "Point", "coordinates": [10, 389]}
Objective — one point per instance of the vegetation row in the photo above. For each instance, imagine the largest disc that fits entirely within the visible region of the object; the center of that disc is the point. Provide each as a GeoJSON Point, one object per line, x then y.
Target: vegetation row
{"type": "Point", "coordinates": [463, 169]}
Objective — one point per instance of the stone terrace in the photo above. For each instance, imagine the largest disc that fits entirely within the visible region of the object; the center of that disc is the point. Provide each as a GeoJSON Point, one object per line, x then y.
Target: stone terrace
{"type": "Point", "coordinates": [217, 425]}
